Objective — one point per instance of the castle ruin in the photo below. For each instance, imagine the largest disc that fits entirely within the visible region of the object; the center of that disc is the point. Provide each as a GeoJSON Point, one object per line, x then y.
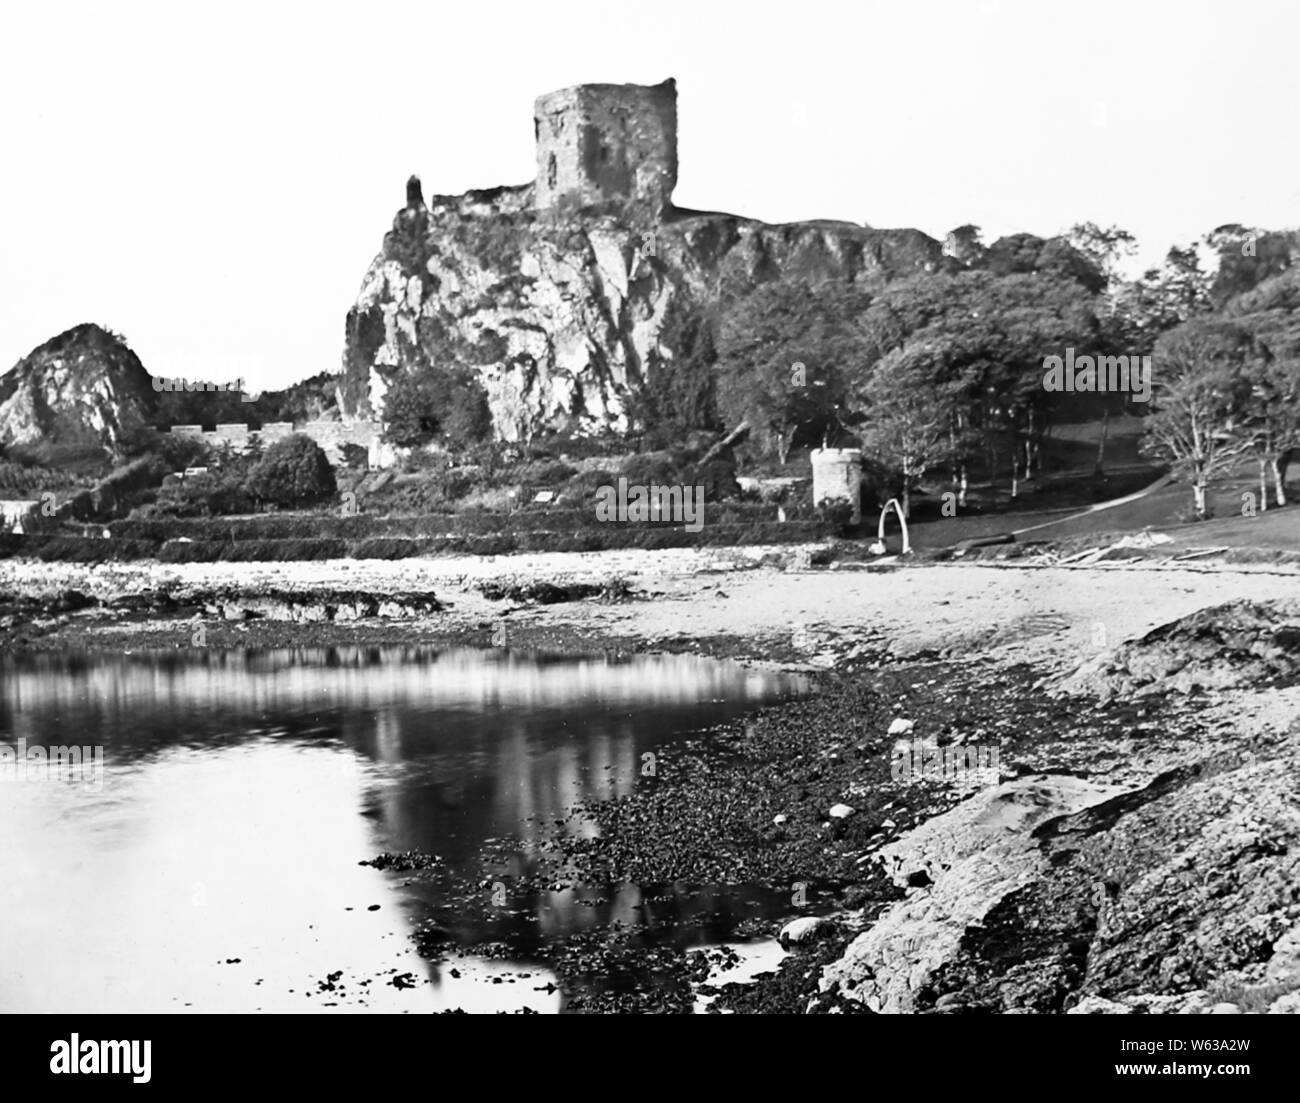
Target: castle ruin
{"type": "Point", "coordinates": [332, 436]}
{"type": "Point", "coordinates": [602, 142]}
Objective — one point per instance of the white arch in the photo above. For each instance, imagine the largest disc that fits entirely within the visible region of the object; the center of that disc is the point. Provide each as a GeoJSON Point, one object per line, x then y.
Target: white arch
{"type": "Point", "coordinates": [878, 548]}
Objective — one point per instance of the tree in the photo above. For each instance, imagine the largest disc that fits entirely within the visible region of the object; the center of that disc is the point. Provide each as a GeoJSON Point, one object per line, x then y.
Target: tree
{"type": "Point", "coordinates": [201, 403]}
{"type": "Point", "coordinates": [987, 336]}
{"type": "Point", "coordinates": [1271, 417]}
{"type": "Point", "coordinates": [1271, 311]}
{"type": "Point", "coordinates": [1026, 254]}
{"type": "Point", "coordinates": [306, 400]}
{"type": "Point", "coordinates": [909, 411]}
{"type": "Point", "coordinates": [1161, 299]}
{"type": "Point", "coordinates": [293, 472]}
{"type": "Point", "coordinates": [678, 392]}
{"type": "Point", "coordinates": [783, 352]}
{"type": "Point", "coordinates": [1106, 249]}
{"type": "Point", "coordinates": [468, 419]}
{"type": "Point", "coordinates": [1201, 387]}
{"type": "Point", "coordinates": [1247, 257]}
{"type": "Point", "coordinates": [427, 402]}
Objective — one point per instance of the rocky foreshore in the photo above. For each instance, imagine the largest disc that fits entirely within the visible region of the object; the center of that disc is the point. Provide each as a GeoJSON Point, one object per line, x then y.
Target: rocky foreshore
{"type": "Point", "coordinates": [1133, 851]}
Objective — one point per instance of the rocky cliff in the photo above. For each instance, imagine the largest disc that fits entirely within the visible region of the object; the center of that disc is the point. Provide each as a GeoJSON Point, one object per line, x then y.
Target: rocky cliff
{"type": "Point", "coordinates": [82, 389]}
{"type": "Point", "coordinates": [560, 294]}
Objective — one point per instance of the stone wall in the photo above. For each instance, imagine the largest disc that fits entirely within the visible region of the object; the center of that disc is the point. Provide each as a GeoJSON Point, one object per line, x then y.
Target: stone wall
{"type": "Point", "coordinates": [330, 435]}
{"type": "Point", "coordinates": [600, 142]}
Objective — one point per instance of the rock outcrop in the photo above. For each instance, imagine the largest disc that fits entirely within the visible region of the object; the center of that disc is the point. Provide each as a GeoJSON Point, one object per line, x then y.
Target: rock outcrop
{"type": "Point", "coordinates": [1240, 644]}
{"type": "Point", "coordinates": [82, 389]}
{"type": "Point", "coordinates": [563, 294]}
{"type": "Point", "coordinates": [1173, 892]}
{"type": "Point", "coordinates": [964, 863]}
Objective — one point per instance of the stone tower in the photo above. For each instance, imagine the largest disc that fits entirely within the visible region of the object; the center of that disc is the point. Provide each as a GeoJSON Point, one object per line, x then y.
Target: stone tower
{"type": "Point", "coordinates": [599, 142]}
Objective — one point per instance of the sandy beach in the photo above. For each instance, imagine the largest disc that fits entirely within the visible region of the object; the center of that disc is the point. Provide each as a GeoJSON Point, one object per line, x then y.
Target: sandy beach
{"type": "Point", "coordinates": [766, 602]}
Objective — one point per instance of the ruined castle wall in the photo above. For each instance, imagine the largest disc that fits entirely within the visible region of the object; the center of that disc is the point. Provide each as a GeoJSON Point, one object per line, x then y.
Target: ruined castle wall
{"type": "Point", "coordinates": [600, 142]}
{"type": "Point", "coordinates": [330, 435]}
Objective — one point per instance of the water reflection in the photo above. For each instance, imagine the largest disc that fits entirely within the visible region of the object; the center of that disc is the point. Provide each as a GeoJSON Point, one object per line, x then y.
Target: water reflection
{"type": "Point", "coordinates": [242, 789]}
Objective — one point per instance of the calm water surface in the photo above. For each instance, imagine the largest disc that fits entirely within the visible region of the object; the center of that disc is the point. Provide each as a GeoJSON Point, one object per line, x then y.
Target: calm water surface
{"type": "Point", "coordinates": [241, 789]}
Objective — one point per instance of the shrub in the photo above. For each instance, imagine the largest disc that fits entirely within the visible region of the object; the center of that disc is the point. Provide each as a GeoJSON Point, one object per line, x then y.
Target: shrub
{"type": "Point", "coordinates": [427, 402]}
{"type": "Point", "coordinates": [18, 479]}
{"type": "Point", "coordinates": [180, 452]}
{"type": "Point", "coordinates": [386, 547]}
{"type": "Point", "coordinates": [583, 486]}
{"type": "Point", "coordinates": [651, 468]}
{"type": "Point", "coordinates": [355, 456]}
{"type": "Point", "coordinates": [543, 473]}
{"type": "Point", "coordinates": [293, 472]}
{"type": "Point", "coordinates": [836, 512]}
{"type": "Point", "coordinates": [200, 496]}
{"type": "Point", "coordinates": [719, 481]}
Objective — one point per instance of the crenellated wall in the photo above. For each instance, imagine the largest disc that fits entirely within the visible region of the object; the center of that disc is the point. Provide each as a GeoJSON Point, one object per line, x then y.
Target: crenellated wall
{"type": "Point", "coordinates": [330, 435]}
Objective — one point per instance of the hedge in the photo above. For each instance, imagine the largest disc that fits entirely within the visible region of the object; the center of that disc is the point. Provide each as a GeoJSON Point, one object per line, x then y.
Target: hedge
{"type": "Point", "coordinates": [365, 526]}
{"type": "Point", "coordinates": [79, 549]}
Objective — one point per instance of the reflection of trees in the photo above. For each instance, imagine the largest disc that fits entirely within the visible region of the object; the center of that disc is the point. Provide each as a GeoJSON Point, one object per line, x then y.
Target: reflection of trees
{"type": "Point", "coordinates": [247, 684]}
{"type": "Point", "coordinates": [388, 736]}
{"type": "Point", "coordinates": [455, 747]}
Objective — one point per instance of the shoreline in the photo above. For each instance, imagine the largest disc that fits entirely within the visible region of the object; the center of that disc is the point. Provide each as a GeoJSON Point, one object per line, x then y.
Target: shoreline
{"type": "Point", "coordinates": [964, 652]}
{"type": "Point", "coordinates": [765, 605]}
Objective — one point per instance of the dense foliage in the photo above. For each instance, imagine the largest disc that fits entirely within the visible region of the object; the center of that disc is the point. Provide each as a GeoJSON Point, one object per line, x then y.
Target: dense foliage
{"type": "Point", "coordinates": [293, 472]}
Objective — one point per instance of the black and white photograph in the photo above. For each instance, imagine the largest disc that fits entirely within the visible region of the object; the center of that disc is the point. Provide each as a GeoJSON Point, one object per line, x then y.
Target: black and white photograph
{"type": "Point", "coordinates": [689, 509]}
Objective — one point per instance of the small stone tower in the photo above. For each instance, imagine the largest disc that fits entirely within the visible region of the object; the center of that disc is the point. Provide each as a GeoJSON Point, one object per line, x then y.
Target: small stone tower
{"type": "Point", "coordinates": [599, 142]}
{"type": "Point", "coordinates": [837, 477]}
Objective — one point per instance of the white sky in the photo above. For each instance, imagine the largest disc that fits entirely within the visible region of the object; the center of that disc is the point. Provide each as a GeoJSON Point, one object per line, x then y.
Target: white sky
{"type": "Point", "coordinates": [213, 181]}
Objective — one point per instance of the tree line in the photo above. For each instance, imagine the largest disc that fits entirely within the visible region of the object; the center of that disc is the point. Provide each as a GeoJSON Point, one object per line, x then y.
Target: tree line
{"type": "Point", "coordinates": [944, 372]}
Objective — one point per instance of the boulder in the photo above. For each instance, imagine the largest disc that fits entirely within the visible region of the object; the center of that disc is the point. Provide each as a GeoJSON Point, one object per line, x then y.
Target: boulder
{"type": "Point", "coordinates": [807, 929]}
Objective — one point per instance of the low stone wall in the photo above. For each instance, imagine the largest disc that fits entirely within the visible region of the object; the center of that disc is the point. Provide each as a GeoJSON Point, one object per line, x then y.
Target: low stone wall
{"type": "Point", "coordinates": [330, 435]}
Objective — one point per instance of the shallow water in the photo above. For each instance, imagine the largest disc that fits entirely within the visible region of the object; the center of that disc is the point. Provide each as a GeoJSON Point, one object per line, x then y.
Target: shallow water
{"type": "Point", "coordinates": [212, 865]}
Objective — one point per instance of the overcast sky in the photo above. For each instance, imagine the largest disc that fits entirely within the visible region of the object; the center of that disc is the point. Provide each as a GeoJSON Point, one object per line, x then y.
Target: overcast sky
{"type": "Point", "coordinates": [212, 182]}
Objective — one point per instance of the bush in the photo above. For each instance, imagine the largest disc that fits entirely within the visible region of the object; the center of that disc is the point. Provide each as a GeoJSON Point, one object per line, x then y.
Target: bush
{"type": "Point", "coordinates": [386, 547]}
{"type": "Point", "coordinates": [543, 473]}
{"type": "Point", "coordinates": [180, 452]}
{"type": "Point", "coordinates": [21, 480]}
{"type": "Point", "coordinates": [583, 486]}
{"type": "Point", "coordinates": [356, 456]}
{"type": "Point", "coordinates": [719, 481]}
{"type": "Point", "coordinates": [836, 512]}
{"type": "Point", "coordinates": [652, 468]}
{"type": "Point", "coordinates": [293, 472]}
{"type": "Point", "coordinates": [205, 495]}
{"type": "Point", "coordinates": [432, 490]}
{"type": "Point", "coordinates": [250, 551]}
{"type": "Point", "coordinates": [427, 402]}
